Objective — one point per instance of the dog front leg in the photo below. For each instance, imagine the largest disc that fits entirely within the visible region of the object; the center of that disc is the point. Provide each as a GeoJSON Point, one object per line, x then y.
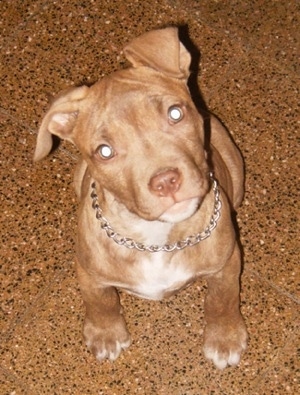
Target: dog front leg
{"type": "Point", "coordinates": [104, 328]}
{"type": "Point", "coordinates": [225, 335]}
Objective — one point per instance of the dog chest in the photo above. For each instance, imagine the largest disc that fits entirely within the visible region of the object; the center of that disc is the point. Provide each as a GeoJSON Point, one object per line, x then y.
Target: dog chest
{"type": "Point", "coordinates": [157, 276]}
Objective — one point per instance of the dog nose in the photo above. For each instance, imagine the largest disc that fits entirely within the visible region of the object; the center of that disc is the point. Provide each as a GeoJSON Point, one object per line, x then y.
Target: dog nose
{"type": "Point", "coordinates": [165, 183]}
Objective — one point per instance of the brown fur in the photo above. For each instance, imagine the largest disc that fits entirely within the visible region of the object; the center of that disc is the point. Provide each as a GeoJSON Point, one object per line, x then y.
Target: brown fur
{"type": "Point", "coordinates": [154, 189]}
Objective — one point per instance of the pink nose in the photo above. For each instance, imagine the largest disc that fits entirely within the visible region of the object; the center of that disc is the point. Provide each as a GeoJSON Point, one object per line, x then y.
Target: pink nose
{"type": "Point", "coordinates": [165, 183]}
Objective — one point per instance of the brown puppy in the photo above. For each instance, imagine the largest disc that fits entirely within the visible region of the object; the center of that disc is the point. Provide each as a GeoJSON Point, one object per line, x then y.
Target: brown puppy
{"type": "Point", "coordinates": [152, 217]}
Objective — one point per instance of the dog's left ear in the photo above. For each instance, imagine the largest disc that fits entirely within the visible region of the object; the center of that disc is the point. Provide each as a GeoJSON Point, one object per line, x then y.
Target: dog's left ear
{"type": "Point", "coordinates": [162, 51]}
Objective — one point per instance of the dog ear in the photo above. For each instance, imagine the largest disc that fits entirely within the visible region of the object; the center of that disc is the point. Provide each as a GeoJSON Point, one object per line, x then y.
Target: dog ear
{"type": "Point", "coordinates": [60, 120]}
{"type": "Point", "coordinates": [162, 51]}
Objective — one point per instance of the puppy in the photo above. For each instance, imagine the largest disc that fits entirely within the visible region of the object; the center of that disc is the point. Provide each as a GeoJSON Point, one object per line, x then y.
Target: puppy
{"type": "Point", "coordinates": [153, 217]}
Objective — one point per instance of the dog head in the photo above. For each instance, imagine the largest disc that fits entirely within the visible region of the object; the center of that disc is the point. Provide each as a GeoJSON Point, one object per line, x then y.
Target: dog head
{"type": "Point", "coordinates": [138, 130]}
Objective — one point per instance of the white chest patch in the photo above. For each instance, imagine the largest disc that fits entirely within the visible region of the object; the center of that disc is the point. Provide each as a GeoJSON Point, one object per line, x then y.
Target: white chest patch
{"type": "Point", "coordinates": [157, 276]}
{"type": "Point", "coordinates": [152, 232]}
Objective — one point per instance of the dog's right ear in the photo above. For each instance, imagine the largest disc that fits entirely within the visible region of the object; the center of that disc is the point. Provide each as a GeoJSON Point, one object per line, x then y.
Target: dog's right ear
{"type": "Point", "coordinates": [60, 120]}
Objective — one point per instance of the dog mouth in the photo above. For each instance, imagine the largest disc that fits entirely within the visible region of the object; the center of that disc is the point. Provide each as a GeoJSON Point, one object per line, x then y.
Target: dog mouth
{"type": "Point", "coordinates": [180, 211]}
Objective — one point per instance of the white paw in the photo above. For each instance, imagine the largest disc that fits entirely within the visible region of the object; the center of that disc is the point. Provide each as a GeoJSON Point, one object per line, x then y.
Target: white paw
{"type": "Point", "coordinates": [107, 343]}
{"type": "Point", "coordinates": [222, 360]}
{"type": "Point", "coordinates": [113, 353]}
{"type": "Point", "coordinates": [224, 345]}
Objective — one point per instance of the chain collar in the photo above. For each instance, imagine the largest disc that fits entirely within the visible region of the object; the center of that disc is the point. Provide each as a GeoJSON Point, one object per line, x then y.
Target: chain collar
{"type": "Point", "coordinates": [179, 245]}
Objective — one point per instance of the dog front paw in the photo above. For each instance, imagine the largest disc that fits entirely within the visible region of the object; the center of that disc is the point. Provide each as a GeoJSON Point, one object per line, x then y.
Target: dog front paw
{"type": "Point", "coordinates": [106, 343]}
{"type": "Point", "coordinates": [223, 345]}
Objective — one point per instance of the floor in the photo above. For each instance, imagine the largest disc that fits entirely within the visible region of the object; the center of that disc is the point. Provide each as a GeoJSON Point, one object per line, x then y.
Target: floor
{"type": "Point", "coordinates": [249, 76]}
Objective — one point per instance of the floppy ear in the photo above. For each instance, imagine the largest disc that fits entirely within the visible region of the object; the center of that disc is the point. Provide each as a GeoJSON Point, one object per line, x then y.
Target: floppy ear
{"type": "Point", "coordinates": [162, 51]}
{"type": "Point", "coordinates": [60, 120]}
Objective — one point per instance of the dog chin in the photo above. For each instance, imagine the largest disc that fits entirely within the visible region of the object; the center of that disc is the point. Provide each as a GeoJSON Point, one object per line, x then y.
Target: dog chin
{"type": "Point", "coordinates": [180, 211]}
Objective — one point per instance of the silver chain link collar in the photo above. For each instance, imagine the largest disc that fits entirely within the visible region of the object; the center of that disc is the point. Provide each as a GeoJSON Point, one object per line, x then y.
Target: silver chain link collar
{"type": "Point", "coordinates": [179, 245]}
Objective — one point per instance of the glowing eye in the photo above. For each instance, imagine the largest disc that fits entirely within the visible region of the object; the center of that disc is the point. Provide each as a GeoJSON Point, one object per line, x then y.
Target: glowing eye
{"type": "Point", "coordinates": [105, 151]}
{"type": "Point", "coordinates": [175, 113]}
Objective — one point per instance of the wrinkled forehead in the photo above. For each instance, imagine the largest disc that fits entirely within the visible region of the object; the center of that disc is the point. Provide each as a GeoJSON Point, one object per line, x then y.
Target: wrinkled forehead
{"type": "Point", "coordinates": [138, 90]}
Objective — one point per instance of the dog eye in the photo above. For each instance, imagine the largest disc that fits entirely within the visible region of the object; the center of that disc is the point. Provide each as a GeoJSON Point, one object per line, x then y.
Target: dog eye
{"type": "Point", "coordinates": [105, 151]}
{"type": "Point", "coordinates": [175, 113]}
